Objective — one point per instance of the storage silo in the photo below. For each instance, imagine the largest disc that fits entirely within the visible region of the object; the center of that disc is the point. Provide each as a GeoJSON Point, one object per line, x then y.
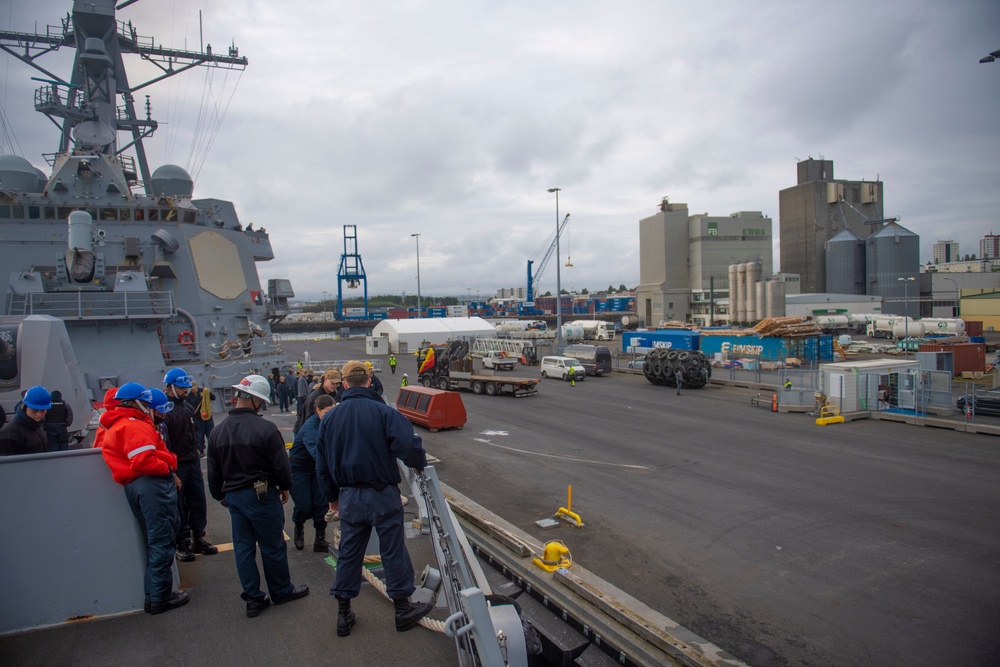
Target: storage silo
{"type": "Point", "coordinates": [845, 263]}
{"type": "Point", "coordinates": [776, 298]}
{"type": "Point", "coordinates": [761, 289]}
{"type": "Point", "coordinates": [753, 276]}
{"type": "Point", "coordinates": [741, 293]}
{"type": "Point", "coordinates": [891, 253]}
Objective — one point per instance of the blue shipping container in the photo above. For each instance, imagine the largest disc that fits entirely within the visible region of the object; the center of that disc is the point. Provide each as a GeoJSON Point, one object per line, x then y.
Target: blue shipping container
{"type": "Point", "coordinates": [644, 341]}
{"type": "Point", "coordinates": [767, 349]}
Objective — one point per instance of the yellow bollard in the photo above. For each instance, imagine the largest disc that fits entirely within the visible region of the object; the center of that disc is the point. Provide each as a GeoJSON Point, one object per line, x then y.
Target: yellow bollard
{"type": "Point", "coordinates": [555, 555]}
{"type": "Point", "coordinates": [567, 512]}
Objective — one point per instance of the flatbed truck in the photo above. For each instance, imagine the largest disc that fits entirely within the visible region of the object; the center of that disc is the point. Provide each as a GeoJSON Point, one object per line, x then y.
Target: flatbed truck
{"type": "Point", "coordinates": [491, 385]}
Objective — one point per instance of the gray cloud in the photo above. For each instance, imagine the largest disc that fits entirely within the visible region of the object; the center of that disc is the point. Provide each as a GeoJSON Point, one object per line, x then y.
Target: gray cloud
{"type": "Point", "coordinates": [451, 119]}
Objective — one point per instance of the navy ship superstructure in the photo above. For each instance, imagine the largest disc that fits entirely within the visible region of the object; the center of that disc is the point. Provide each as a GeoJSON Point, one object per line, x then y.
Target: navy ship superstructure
{"type": "Point", "coordinates": [142, 275]}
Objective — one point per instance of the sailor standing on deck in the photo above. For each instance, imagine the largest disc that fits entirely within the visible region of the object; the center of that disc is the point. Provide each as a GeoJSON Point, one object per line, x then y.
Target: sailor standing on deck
{"type": "Point", "coordinates": [248, 471]}
{"type": "Point", "coordinates": [182, 440]}
{"type": "Point", "coordinates": [358, 445]}
{"type": "Point", "coordinates": [24, 433]}
{"type": "Point", "coordinates": [139, 461]}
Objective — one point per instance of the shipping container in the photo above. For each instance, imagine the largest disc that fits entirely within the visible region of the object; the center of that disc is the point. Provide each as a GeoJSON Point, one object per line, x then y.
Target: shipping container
{"type": "Point", "coordinates": [767, 349]}
{"type": "Point", "coordinates": [973, 328]}
{"type": "Point", "coordinates": [640, 342]}
{"type": "Point", "coordinates": [968, 356]}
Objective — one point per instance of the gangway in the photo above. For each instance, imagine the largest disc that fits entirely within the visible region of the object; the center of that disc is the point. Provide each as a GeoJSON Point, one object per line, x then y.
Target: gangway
{"type": "Point", "coordinates": [514, 348]}
{"type": "Point", "coordinates": [486, 635]}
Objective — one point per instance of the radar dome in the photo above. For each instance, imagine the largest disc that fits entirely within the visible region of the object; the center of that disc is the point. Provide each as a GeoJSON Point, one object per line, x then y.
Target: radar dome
{"type": "Point", "coordinates": [172, 181]}
{"type": "Point", "coordinates": [43, 180]}
{"type": "Point", "coordinates": [16, 173]}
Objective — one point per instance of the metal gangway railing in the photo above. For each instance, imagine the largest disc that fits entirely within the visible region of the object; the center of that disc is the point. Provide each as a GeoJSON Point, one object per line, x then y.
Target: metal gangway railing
{"type": "Point", "coordinates": [482, 346]}
{"type": "Point", "coordinates": [85, 305]}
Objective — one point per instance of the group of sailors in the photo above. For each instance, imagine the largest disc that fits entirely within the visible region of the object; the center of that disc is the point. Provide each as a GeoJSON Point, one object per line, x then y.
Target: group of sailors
{"type": "Point", "coordinates": [342, 466]}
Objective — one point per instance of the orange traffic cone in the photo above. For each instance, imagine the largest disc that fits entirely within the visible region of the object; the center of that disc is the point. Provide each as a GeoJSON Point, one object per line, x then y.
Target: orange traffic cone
{"type": "Point", "coordinates": [774, 403]}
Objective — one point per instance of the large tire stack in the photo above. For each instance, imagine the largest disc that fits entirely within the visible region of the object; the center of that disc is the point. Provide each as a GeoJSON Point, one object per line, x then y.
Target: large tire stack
{"type": "Point", "coordinates": [661, 364]}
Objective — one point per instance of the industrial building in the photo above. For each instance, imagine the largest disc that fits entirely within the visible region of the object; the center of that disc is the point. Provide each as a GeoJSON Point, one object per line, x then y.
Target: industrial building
{"type": "Point", "coordinates": [815, 305]}
{"type": "Point", "coordinates": [835, 236]}
{"type": "Point", "coordinates": [684, 262]}
{"type": "Point", "coordinates": [814, 211]}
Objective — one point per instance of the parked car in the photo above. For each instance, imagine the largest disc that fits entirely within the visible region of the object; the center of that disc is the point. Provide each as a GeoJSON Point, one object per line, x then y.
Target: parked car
{"type": "Point", "coordinates": [987, 406]}
{"type": "Point", "coordinates": [637, 363]}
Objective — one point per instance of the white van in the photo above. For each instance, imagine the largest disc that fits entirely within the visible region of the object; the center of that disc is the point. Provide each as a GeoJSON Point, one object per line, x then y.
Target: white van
{"type": "Point", "coordinates": [564, 368]}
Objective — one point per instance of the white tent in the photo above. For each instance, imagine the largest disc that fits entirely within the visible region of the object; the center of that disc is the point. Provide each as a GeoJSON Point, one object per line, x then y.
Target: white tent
{"type": "Point", "coordinates": [406, 336]}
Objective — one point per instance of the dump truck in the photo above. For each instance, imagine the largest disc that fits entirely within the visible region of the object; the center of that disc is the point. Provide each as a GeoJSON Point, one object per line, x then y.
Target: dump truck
{"type": "Point", "coordinates": [449, 367]}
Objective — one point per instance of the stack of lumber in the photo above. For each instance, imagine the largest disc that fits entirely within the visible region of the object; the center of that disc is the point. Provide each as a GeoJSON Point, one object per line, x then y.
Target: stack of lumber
{"type": "Point", "coordinates": [786, 327]}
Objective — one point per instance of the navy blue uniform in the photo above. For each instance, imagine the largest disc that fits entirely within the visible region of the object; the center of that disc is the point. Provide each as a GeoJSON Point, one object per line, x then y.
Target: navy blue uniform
{"type": "Point", "coordinates": [243, 449]}
{"type": "Point", "coordinates": [359, 443]}
{"type": "Point", "coordinates": [309, 499]}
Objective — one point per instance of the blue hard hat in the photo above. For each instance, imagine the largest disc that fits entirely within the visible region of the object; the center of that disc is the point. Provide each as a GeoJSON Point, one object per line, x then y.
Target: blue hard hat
{"type": "Point", "coordinates": [133, 391]}
{"type": "Point", "coordinates": [38, 398]}
{"type": "Point", "coordinates": [159, 401]}
{"type": "Point", "coordinates": [177, 377]}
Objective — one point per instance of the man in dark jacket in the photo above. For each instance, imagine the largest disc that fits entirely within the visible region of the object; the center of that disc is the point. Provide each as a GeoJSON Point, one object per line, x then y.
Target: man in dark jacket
{"type": "Point", "coordinates": [248, 471]}
{"type": "Point", "coordinates": [182, 440]}
{"type": "Point", "coordinates": [24, 433]}
{"type": "Point", "coordinates": [57, 422]}
{"type": "Point", "coordinates": [358, 445]}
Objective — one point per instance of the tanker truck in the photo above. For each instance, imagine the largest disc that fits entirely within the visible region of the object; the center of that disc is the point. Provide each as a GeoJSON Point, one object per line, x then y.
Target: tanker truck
{"type": "Point", "coordinates": [594, 329]}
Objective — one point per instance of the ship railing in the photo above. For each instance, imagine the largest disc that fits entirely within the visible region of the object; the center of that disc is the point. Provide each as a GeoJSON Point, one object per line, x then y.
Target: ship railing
{"type": "Point", "coordinates": [83, 305]}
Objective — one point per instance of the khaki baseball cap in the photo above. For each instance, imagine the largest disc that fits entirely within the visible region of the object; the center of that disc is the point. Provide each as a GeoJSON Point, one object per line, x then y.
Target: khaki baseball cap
{"type": "Point", "coordinates": [354, 369]}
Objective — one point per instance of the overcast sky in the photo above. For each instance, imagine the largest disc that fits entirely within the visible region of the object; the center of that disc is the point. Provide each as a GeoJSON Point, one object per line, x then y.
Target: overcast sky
{"type": "Point", "coordinates": [451, 119]}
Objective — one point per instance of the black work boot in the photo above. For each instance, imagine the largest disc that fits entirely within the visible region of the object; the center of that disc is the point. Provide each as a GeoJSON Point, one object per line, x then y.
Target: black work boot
{"type": "Point", "coordinates": [300, 536]}
{"type": "Point", "coordinates": [345, 617]}
{"type": "Point", "coordinates": [257, 605]}
{"type": "Point", "coordinates": [409, 613]}
{"type": "Point", "coordinates": [321, 545]}
{"type": "Point", "coordinates": [176, 599]}
{"type": "Point", "coordinates": [200, 545]}
{"type": "Point", "coordinates": [184, 553]}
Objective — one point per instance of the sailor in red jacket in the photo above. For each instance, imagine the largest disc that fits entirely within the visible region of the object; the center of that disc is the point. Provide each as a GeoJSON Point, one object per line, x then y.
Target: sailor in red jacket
{"type": "Point", "coordinates": [139, 461]}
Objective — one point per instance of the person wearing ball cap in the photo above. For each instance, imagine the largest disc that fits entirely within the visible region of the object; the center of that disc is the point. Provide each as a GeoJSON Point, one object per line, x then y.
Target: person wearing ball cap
{"type": "Point", "coordinates": [248, 471]}
{"type": "Point", "coordinates": [357, 449]}
{"type": "Point", "coordinates": [24, 434]}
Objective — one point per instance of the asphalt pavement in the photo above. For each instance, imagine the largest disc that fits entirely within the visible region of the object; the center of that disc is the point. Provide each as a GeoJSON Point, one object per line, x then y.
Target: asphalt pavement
{"type": "Point", "coordinates": [866, 543]}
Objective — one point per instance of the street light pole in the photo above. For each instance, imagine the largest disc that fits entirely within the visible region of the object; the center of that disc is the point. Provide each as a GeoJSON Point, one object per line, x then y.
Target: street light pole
{"type": "Point", "coordinates": [417, 236]}
{"type": "Point", "coordinates": [558, 277]}
{"type": "Point", "coordinates": [906, 314]}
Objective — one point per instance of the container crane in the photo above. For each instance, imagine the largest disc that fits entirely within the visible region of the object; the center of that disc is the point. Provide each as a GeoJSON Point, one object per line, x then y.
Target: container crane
{"type": "Point", "coordinates": [533, 282]}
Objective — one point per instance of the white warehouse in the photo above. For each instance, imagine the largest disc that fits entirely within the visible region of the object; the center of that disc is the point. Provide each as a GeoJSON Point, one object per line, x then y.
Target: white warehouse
{"type": "Point", "coordinates": [406, 336]}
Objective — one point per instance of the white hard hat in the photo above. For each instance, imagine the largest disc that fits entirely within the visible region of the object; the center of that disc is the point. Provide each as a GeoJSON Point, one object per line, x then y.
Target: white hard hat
{"type": "Point", "coordinates": [255, 385]}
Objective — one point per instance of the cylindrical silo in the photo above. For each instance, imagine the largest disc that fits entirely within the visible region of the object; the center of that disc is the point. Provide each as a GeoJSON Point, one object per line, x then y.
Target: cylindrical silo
{"type": "Point", "coordinates": [753, 275]}
{"type": "Point", "coordinates": [761, 290]}
{"type": "Point", "coordinates": [733, 280]}
{"type": "Point", "coordinates": [776, 298]}
{"type": "Point", "coordinates": [741, 292]}
{"type": "Point", "coordinates": [845, 264]}
{"type": "Point", "coordinates": [892, 254]}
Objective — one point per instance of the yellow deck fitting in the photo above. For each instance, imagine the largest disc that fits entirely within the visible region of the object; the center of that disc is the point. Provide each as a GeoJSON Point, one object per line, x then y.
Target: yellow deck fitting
{"type": "Point", "coordinates": [554, 556]}
{"type": "Point", "coordinates": [566, 513]}
{"type": "Point", "coordinates": [829, 414]}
